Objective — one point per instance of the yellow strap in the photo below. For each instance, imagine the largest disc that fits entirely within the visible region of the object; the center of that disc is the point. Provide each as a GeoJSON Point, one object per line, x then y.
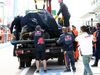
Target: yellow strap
{"type": "Point", "coordinates": [61, 18]}
{"type": "Point", "coordinates": [65, 59]}
{"type": "Point", "coordinates": [36, 9]}
{"type": "Point", "coordinates": [24, 34]}
{"type": "Point", "coordinates": [39, 0]}
{"type": "Point", "coordinates": [66, 63]}
{"type": "Point", "coordinates": [44, 3]}
{"type": "Point", "coordinates": [35, 3]}
{"type": "Point", "coordinates": [56, 16]}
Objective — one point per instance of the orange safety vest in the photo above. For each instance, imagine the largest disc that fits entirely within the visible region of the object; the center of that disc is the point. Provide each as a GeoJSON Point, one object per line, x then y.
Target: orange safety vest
{"type": "Point", "coordinates": [8, 31]}
{"type": "Point", "coordinates": [77, 52]}
{"type": "Point", "coordinates": [0, 20]}
{"type": "Point", "coordinates": [94, 36]}
{"type": "Point", "coordinates": [0, 32]}
{"type": "Point", "coordinates": [75, 32]}
{"type": "Point", "coordinates": [94, 33]}
{"type": "Point", "coordinates": [3, 29]}
{"type": "Point", "coordinates": [2, 35]}
{"type": "Point", "coordinates": [9, 34]}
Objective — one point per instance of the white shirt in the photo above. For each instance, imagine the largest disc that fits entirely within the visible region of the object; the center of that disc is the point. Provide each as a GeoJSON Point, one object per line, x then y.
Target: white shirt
{"type": "Point", "coordinates": [85, 42]}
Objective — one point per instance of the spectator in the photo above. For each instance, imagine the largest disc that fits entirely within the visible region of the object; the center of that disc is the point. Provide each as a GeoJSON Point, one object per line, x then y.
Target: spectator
{"type": "Point", "coordinates": [85, 42]}
{"type": "Point", "coordinates": [2, 34]}
{"type": "Point", "coordinates": [96, 40]}
{"type": "Point", "coordinates": [67, 39]}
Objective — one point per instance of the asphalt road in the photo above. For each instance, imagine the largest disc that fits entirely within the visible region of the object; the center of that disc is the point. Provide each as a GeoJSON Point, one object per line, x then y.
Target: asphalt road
{"type": "Point", "coordinates": [9, 65]}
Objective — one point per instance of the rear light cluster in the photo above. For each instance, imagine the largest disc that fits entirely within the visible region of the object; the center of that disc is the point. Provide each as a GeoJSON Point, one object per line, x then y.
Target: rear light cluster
{"type": "Point", "coordinates": [28, 51]}
{"type": "Point", "coordinates": [19, 52]}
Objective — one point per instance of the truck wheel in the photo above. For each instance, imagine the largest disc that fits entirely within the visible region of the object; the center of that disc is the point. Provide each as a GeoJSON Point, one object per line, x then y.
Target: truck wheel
{"type": "Point", "coordinates": [22, 65]}
{"type": "Point", "coordinates": [46, 35]}
{"type": "Point", "coordinates": [28, 64]}
{"type": "Point", "coordinates": [60, 60]}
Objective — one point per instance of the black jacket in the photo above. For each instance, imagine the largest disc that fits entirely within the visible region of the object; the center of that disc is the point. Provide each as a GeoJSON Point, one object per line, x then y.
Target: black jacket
{"type": "Point", "coordinates": [64, 10]}
{"type": "Point", "coordinates": [98, 42]}
{"type": "Point", "coordinates": [17, 24]}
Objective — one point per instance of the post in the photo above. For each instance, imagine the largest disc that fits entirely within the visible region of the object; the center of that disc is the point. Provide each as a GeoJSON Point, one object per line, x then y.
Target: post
{"type": "Point", "coordinates": [15, 9]}
{"type": "Point", "coordinates": [92, 22]}
{"type": "Point", "coordinates": [49, 5]}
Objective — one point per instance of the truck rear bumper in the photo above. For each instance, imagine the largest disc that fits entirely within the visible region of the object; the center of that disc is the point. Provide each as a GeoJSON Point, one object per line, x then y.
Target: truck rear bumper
{"type": "Point", "coordinates": [32, 51]}
{"type": "Point", "coordinates": [13, 42]}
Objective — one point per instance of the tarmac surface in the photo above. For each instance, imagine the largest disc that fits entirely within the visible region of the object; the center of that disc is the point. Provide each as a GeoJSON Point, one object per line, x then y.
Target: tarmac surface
{"type": "Point", "coordinates": [9, 65]}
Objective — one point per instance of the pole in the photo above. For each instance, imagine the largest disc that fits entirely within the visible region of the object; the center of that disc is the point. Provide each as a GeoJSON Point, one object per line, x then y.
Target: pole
{"type": "Point", "coordinates": [44, 5]}
{"type": "Point", "coordinates": [15, 9]}
{"type": "Point", "coordinates": [3, 15]}
{"type": "Point", "coordinates": [49, 5]}
{"type": "Point", "coordinates": [36, 5]}
{"type": "Point", "coordinates": [2, 7]}
{"type": "Point", "coordinates": [92, 22]}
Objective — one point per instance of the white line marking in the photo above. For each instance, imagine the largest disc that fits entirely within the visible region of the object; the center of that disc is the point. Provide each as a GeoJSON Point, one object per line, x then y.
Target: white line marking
{"type": "Point", "coordinates": [35, 73]}
{"type": "Point", "coordinates": [25, 71]}
{"type": "Point", "coordinates": [53, 72]}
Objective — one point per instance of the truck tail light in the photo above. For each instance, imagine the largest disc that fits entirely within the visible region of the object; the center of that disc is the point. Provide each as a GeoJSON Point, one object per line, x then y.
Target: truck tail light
{"type": "Point", "coordinates": [28, 51]}
{"type": "Point", "coordinates": [62, 50]}
{"type": "Point", "coordinates": [16, 52]}
{"type": "Point", "coordinates": [19, 52]}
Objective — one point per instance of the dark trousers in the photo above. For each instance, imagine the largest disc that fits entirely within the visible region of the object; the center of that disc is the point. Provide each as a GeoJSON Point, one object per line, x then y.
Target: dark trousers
{"type": "Point", "coordinates": [93, 51]}
{"type": "Point", "coordinates": [14, 50]}
{"type": "Point", "coordinates": [0, 38]}
{"type": "Point", "coordinates": [66, 21]}
{"type": "Point", "coordinates": [68, 55]}
{"type": "Point", "coordinates": [96, 59]}
{"type": "Point", "coordinates": [17, 34]}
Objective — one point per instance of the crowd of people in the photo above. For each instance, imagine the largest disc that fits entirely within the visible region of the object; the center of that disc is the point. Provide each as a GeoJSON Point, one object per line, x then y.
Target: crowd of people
{"type": "Point", "coordinates": [4, 34]}
{"type": "Point", "coordinates": [85, 41]}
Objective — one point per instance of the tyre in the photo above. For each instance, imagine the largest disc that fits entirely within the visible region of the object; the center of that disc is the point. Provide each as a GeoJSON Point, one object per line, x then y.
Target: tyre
{"type": "Point", "coordinates": [46, 35]}
{"type": "Point", "coordinates": [60, 59]}
{"type": "Point", "coordinates": [22, 65]}
{"type": "Point", "coordinates": [28, 64]}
